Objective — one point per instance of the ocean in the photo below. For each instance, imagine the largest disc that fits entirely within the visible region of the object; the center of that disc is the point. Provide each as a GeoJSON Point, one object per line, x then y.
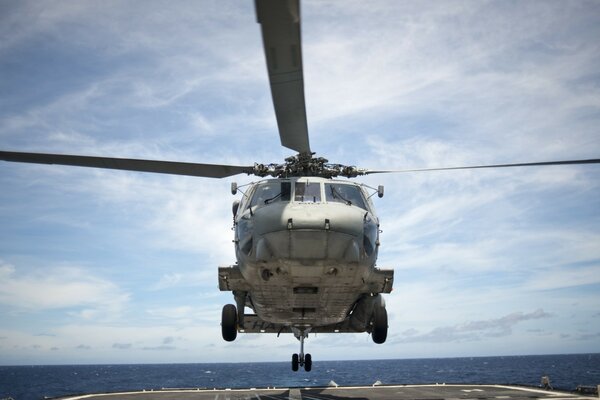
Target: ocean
{"type": "Point", "coordinates": [566, 372]}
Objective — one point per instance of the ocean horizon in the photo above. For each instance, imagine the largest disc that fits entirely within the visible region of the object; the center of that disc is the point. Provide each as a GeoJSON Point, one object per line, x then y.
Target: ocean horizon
{"type": "Point", "coordinates": [566, 372]}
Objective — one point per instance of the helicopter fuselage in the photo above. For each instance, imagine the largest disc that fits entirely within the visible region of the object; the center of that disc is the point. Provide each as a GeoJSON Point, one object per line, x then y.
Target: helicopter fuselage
{"type": "Point", "coordinates": [306, 249]}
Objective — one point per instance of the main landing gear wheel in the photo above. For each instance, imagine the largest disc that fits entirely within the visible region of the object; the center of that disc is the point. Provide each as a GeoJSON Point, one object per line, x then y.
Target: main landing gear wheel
{"type": "Point", "coordinates": [380, 325]}
{"type": "Point", "coordinates": [229, 322]}
{"type": "Point", "coordinates": [295, 362]}
{"type": "Point", "coordinates": [307, 362]}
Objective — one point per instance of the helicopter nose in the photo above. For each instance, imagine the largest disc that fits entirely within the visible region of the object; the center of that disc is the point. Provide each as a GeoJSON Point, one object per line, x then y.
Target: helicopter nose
{"type": "Point", "coordinates": [310, 232]}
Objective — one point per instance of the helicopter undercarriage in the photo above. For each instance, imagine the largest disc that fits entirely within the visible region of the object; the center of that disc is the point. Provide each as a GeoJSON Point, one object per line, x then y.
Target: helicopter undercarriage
{"type": "Point", "coordinates": [366, 314]}
{"type": "Point", "coordinates": [231, 324]}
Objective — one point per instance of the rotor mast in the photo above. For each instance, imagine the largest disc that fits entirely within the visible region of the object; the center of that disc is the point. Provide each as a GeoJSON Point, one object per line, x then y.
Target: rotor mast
{"type": "Point", "coordinates": [305, 164]}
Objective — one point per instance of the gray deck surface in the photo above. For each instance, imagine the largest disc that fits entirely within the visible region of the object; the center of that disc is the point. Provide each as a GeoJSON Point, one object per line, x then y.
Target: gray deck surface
{"type": "Point", "coordinates": [396, 392]}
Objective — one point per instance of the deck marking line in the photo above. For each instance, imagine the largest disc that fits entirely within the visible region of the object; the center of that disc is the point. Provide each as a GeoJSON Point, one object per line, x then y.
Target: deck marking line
{"type": "Point", "coordinates": [295, 394]}
{"type": "Point", "coordinates": [564, 398]}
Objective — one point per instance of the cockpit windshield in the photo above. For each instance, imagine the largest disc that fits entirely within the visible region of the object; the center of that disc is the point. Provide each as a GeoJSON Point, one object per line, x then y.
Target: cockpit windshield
{"type": "Point", "coordinates": [271, 192]}
{"type": "Point", "coordinates": [274, 191]}
{"type": "Point", "coordinates": [344, 193]}
{"type": "Point", "coordinates": [307, 192]}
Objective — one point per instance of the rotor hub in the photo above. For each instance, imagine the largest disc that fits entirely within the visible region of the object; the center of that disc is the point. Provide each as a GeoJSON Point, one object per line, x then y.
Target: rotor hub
{"type": "Point", "coordinates": [305, 164]}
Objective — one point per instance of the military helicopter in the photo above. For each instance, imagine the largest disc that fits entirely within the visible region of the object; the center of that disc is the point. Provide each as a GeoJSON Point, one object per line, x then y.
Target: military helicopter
{"type": "Point", "coordinates": [306, 243]}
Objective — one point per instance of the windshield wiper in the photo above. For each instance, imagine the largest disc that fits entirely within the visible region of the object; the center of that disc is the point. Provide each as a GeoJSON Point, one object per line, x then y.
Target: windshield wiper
{"type": "Point", "coordinates": [267, 201]}
{"type": "Point", "coordinates": [338, 195]}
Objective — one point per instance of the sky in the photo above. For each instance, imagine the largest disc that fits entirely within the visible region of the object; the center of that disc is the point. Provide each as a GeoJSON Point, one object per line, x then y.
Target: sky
{"type": "Point", "coordinates": [101, 266]}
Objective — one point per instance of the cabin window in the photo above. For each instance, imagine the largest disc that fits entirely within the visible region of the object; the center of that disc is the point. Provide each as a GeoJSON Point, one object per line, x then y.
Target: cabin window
{"type": "Point", "coordinates": [346, 194]}
{"type": "Point", "coordinates": [271, 192]}
{"type": "Point", "coordinates": [307, 192]}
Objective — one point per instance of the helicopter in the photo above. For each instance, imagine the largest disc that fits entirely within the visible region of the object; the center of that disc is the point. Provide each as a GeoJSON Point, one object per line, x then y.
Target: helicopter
{"type": "Point", "coordinates": [306, 243]}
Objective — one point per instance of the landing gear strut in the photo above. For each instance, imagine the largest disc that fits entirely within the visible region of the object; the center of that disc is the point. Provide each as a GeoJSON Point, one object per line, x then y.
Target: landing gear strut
{"type": "Point", "coordinates": [301, 360]}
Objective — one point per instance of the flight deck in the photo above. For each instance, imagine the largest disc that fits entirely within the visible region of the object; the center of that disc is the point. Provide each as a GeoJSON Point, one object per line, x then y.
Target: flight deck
{"type": "Point", "coordinates": [382, 392]}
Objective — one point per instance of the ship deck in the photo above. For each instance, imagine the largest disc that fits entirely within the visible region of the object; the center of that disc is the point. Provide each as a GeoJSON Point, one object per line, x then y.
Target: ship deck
{"type": "Point", "coordinates": [380, 392]}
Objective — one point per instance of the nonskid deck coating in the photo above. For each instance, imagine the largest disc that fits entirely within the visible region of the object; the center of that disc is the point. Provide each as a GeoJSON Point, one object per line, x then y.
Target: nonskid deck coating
{"type": "Point", "coordinates": [384, 392]}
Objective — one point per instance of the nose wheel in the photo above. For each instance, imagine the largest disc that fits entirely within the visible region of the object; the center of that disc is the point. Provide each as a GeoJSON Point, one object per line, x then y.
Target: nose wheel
{"type": "Point", "coordinates": [301, 360]}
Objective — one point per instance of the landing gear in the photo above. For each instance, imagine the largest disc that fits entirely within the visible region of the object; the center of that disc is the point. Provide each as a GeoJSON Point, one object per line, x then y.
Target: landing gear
{"type": "Point", "coordinates": [229, 321]}
{"type": "Point", "coordinates": [301, 360]}
{"type": "Point", "coordinates": [298, 361]}
{"type": "Point", "coordinates": [307, 362]}
{"type": "Point", "coordinates": [380, 325]}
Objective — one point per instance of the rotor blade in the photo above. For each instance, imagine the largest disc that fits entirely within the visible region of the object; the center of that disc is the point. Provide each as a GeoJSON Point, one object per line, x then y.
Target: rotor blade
{"type": "Point", "coordinates": [532, 164]}
{"type": "Point", "coordinates": [280, 25]}
{"type": "Point", "coordinates": [128, 164]}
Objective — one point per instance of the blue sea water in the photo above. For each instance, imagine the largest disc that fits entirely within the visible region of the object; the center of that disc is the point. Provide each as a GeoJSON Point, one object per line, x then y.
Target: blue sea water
{"type": "Point", "coordinates": [38, 381]}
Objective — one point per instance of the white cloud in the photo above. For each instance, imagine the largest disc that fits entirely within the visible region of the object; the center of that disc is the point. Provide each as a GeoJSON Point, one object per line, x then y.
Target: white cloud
{"type": "Point", "coordinates": [202, 313]}
{"type": "Point", "coordinates": [559, 278]}
{"type": "Point", "coordinates": [488, 72]}
{"type": "Point", "coordinates": [473, 330]}
{"type": "Point", "coordinates": [57, 288]}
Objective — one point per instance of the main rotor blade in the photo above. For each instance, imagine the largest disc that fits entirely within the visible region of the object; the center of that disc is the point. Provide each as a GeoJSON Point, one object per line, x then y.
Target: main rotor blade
{"type": "Point", "coordinates": [531, 164]}
{"type": "Point", "coordinates": [129, 164]}
{"type": "Point", "coordinates": [280, 25]}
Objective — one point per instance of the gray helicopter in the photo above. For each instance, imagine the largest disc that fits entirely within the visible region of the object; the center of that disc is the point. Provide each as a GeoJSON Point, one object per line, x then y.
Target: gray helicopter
{"type": "Point", "coordinates": [306, 243]}
{"type": "Point", "coordinates": [306, 248]}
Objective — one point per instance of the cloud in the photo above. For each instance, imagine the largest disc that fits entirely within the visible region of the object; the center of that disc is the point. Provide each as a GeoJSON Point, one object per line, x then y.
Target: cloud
{"type": "Point", "coordinates": [557, 278]}
{"type": "Point", "coordinates": [472, 330]}
{"type": "Point", "coordinates": [186, 279]}
{"type": "Point", "coordinates": [589, 336]}
{"type": "Point", "coordinates": [177, 312]}
{"type": "Point", "coordinates": [168, 340]}
{"type": "Point", "coordinates": [121, 63]}
{"type": "Point", "coordinates": [168, 280]}
{"type": "Point", "coordinates": [159, 348]}
{"type": "Point", "coordinates": [122, 346]}
{"type": "Point", "coordinates": [433, 64]}
{"type": "Point", "coordinates": [57, 288]}
{"type": "Point", "coordinates": [185, 315]}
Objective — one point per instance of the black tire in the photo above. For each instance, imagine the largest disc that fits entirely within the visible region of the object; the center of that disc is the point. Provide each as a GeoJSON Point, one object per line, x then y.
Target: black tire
{"type": "Point", "coordinates": [307, 362]}
{"type": "Point", "coordinates": [294, 362]}
{"type": "Point", "coordinates": [229, 322]}
{"type": "Point", "coordinates": [380, 325]}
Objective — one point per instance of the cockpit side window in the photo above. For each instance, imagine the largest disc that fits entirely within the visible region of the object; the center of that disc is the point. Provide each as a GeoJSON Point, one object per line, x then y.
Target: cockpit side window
{"type": "Point", "coordinates": [270, 192]}
{"type": "Point", "coordinates": [347, 194]}
{"type": "Point", "coordinates": [307, 192]}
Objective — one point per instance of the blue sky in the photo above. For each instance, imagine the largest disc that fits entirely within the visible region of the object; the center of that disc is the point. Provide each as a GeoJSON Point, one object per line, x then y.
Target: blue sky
{"type": "Point", "coordinates": [118, 267]}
